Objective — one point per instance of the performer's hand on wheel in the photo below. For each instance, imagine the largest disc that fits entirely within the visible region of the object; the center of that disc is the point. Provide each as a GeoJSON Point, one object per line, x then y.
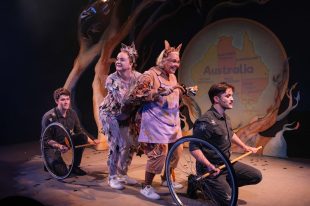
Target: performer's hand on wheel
{"type": "Point", "coordinates": [63, 148]}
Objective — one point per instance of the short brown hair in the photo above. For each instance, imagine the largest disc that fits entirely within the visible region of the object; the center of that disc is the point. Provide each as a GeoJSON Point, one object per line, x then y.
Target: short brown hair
{"type": "Point", "coordinates": [61, 91]}
{"type": "Point", "coordinates": [218, 89]}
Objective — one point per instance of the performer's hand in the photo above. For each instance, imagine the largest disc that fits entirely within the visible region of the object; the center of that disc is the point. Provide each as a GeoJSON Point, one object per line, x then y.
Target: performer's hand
{"type": "Point", "coordinates": [96, 141]}
{"type": "Point", "coordinates": [92, 141]}
{"type": "Point", "coordinates": [250, 149]}
{"type": "Point", "coordinates": [63, 148]}
{"type": "Point", "coordinates": [214, 171]}
{"type": "Point", "coordinates": [165, 91]}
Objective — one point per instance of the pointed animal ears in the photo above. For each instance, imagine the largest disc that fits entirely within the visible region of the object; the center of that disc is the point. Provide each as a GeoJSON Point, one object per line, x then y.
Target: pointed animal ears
{"type": "Point", "coordinates": [169, 49]}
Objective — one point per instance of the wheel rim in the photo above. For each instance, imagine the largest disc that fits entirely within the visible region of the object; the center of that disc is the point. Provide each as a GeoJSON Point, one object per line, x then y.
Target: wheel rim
{"type": "Point", "coordinates": [58, 164]}
{"type": "Point", "coordinates": [186, 170]}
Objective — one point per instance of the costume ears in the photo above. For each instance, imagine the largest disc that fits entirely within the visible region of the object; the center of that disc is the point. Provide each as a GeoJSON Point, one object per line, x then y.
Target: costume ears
{"type": "Point", "coordinates": [167, 45]}
{"type": "Point", "coordinates": [169, 48]}
{"type": "Point", "coordinates": [178, 48]}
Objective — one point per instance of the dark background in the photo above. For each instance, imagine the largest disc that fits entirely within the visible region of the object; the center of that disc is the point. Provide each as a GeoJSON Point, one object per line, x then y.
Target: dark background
{"type": "Point", "coordinates": [39, 44]}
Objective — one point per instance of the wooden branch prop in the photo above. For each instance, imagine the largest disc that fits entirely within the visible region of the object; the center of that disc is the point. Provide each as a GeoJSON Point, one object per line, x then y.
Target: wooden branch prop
{"type": "Point", "coordinates": [67, 144]}
{"type": "Point", "coordinates": [86, 145]}
{"type": "Point", "coordinates": [232, 161]}
{"type": "Point", "coordinates": [266, 122]}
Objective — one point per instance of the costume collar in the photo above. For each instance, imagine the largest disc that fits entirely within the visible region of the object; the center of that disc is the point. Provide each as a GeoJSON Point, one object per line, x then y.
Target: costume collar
{"type": "Point", "coordinates": [58, 114]}
{"type": "Point", "coordinates": [217, 114]}
{"type": "Point", "coordinates": [160, 72]}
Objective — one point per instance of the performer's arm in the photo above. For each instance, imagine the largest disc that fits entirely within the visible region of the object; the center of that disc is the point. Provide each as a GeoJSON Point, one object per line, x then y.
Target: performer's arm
{"type": "Point", "coordinates": [199, 156]}
{"type": "Point", "coordinates": [202, 130]}
{"type": "Point", "coordinates": [77, 125]}
{"type": "Point", "coordinates": [48, 135]}
{"type": "Point", "coordinates": [235, 139]}
{"type": "Point", "coordinates": [46, 120]}
{"type": "Point", "coordinates": [144, 90]}
{"type": "Point", "coordinates": [92, 141]}
{"type": "Point", "coordinates": [78, 130]}
{"type": "Point", "coordinates": [56, 145]}
{"type": "Point", "coordinates": [112, 87]}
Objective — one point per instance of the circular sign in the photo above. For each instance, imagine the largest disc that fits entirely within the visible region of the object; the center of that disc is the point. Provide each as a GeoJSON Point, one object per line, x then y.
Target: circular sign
{"type": "Point", "coordinates": [241, 52]}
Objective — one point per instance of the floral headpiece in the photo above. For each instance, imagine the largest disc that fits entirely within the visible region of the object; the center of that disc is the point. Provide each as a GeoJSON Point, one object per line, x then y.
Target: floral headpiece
{"type": "Point", "coordinates": [168, 49]}
{"type": "Point", "coordinates": [131, 51]}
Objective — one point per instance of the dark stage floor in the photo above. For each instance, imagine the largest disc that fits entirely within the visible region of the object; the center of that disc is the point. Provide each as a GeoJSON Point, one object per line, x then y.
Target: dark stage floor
{"type": "Point", "coordinates": [285, 181]}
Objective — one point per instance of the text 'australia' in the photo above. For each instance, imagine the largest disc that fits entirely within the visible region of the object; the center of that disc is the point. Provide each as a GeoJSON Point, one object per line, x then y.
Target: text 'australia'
{"type": "Point", "coordinates": [241, 69]}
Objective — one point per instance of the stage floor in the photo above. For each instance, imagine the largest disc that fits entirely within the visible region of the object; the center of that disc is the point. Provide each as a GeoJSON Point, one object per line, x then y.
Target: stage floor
{"type": "Point", "coordinates": [285, 181]}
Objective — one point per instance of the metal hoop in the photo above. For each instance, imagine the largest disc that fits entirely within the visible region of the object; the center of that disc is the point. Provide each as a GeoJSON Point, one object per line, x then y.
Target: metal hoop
{"type": "Point", "coordinates": [46, 149]}
{"type": "Point", "coordinates": [186, 170]}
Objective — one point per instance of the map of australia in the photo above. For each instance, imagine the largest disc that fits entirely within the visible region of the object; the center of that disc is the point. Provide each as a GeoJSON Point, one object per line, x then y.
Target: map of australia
{"type": "Point", "coordinates": [241, 67]}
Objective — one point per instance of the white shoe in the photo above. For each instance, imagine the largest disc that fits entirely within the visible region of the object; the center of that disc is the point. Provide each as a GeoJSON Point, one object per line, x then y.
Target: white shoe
{"type": "Point", "coordinates": [175, 185]}
{"type": "Point", "coordinates": [114, 183]}
{"type": "Point", "coordinates": [127, 180]}
{"type": "Point", "coordinates": [149, 192]}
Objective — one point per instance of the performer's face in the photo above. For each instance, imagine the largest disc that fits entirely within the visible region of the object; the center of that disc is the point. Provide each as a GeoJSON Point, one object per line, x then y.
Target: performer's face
{"type": "Point", "coordinates": [226, 99]}
{"type": "Point", "coordinates": [171, 63]}
{"type": "Point", "coordinates": [63, 103]}
{"type": "Point", "coordinates": [123, 62]}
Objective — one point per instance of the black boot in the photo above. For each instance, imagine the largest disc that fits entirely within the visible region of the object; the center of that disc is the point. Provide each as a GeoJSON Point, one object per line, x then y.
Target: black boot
{"type": "Point", "coordinates": [192, 187]}
{"type": "Point", "coordinates": [78, 171]}
{"type": "Point", "coordinates": [44, 168]}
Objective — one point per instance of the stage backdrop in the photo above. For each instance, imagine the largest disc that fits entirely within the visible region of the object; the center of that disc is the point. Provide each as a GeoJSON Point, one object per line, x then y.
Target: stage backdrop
{"type": "Point", "coordinates": [243, 53]}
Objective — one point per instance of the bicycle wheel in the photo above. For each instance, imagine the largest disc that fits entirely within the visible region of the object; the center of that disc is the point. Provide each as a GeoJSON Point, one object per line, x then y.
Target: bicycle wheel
{"type": "Point", "coordinates": [56, 162]}
{"type": "Point", "coordinates": [196, 190]}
